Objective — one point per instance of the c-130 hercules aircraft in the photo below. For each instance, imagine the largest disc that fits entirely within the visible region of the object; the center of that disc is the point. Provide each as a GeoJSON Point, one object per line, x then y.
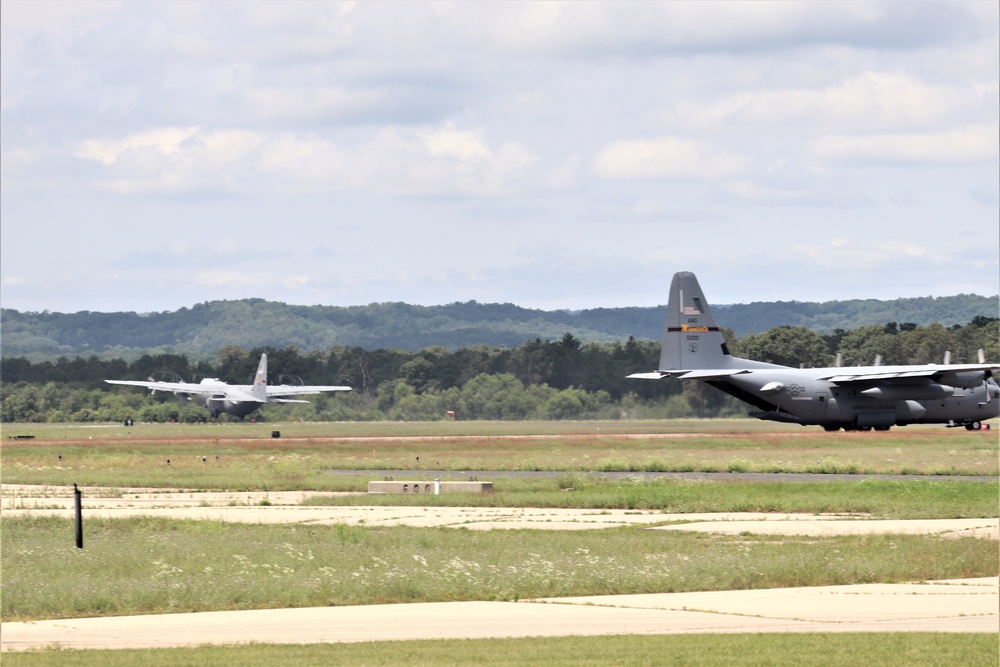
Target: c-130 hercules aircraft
{"type": "Point", "coordinates": [856, 398]}
{"type": "Point", "coordinates": [237, 400]}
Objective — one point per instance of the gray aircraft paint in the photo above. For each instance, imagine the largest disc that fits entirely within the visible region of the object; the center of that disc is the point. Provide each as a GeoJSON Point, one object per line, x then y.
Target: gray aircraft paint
{"type": "Point", "coordinates": [860, 397]}
{"type": "Point", "coordinates": [238, 400]}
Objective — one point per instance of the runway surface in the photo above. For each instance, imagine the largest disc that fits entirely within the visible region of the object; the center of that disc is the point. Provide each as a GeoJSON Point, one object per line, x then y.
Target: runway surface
{"type": "Point", "coordinates": [286, 507]}
{"type": "Point", "coordinates": [943, 606]}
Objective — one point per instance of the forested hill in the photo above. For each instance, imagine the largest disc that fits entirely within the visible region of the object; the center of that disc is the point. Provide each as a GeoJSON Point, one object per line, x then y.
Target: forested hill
{"type": "Point", "coordinates": [202, 330]}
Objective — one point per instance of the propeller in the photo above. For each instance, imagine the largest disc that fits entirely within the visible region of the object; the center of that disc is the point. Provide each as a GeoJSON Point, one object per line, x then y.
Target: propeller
{"type": "Point", "coordinates": [290, 380]}
{"type": "Point", "coordinates": [164, 376]}
{"type": "Point", "coordinates": [981, 358]}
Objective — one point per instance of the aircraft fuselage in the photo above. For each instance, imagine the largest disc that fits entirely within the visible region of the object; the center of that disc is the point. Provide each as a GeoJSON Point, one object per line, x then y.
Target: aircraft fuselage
{"type": "Point", "coordinates": [237, 400]}
{"type": "Point", "coordinates": [797, 396]}
{"type": "Point", "coordinates": [860, 397]}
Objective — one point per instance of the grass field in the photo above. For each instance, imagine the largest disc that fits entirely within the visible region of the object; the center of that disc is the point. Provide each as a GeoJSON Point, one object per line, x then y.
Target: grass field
{"type": "Point", "coordinates": [149, 565]}
{"type": "Point", "coordinates": [746, 650]}
{"type": "Point", "coordinates": [437, 429]}
{"type": "Point", "coordinates": [158, 565]}
{"type": "Point", "coordinates": [244, 456]}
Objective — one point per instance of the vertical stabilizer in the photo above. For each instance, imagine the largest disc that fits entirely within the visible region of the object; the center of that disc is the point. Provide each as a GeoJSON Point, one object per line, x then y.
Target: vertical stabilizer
{"type": "Point", "coordinates": [259, 388]}
{"type": "Point", "coordinates": [691, 339]}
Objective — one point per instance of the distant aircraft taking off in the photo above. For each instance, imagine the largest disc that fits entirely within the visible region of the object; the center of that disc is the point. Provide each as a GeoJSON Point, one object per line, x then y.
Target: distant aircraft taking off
{"type": "Point", "coordinates": [236, 400]}
{"type": "Point", "coordinates": [858, 398]}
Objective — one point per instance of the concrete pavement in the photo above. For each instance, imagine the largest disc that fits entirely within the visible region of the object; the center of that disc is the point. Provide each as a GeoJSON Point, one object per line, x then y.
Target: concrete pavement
{"type": "Point", "coordinates": [286, 507]}
{"type": "Point", "coordinates": [944, 606]}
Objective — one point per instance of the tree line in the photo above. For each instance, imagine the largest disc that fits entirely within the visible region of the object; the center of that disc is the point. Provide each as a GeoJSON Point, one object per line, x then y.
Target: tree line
{"type": "Point", "coordinates": [200, 331]}
{"type": "Point", "coordinates": [563, 378]}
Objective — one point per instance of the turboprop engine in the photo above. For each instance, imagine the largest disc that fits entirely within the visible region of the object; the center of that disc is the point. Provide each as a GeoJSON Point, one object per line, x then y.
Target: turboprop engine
{"type": "Point", "coordinates": [925, 392]}
{"type": "Point", "coordinates": [963, 379]}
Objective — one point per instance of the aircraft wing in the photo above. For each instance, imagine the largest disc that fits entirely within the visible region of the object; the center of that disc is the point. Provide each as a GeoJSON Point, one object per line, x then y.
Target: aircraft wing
{"type": "Point", "coordinates": [289, 390]}
{"type": "Point", "coordinates": [188, 387]}
{"type": "Point", "coordinates": [696, 374]}
{"type": "Point", "coordinates": [865, 374]}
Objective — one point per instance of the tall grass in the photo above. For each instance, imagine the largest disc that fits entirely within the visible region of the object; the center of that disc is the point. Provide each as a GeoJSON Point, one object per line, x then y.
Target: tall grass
{"type": "Point", "coordinates": [146, 565]}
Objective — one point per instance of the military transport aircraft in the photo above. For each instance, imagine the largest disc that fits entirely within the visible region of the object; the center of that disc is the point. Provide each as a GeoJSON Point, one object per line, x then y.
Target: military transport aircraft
{"type": "Point", "coordinates": [858, 398]}
{"type": "Point", "coordinates": [237, 400]}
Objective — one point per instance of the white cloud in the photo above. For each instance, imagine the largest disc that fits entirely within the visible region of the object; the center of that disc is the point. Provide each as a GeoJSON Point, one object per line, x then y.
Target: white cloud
{"type": "Point", "coordinates": [451, 142]}
{"type": "Point", "coordinates": [230, 145]}
{"type": "Point", "coordinates": [422, 161]}
{"type": "Point", "coordinates": [166, 140]}
{"type": "Point", "coordinates": [445, 162]}
{"type": "Point", "coordinates": [688, 27]}
{"type": "Point", "coordinates": [845, 254]}
{"type": "Point", "coordinates": [430, 147]}
{"type": "Point", "coordinates": [873, 100]}
{"type": "Point", "coordinates": [222, 277]}
{"type": "Point", "coordinates": [667, 158]}
{"type": "Point", "coordinates": [970, 144]}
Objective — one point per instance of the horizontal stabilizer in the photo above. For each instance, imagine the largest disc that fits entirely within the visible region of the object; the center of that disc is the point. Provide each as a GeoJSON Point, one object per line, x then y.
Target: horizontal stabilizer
{"type": "Point", "coordinates": [232, 395]}
{"type": "Point", "coordinates": [710, 373]}
{"type": "Point", "coordinates": [698, 374]}
{"type": "Point", "coordinates": [288, 390]}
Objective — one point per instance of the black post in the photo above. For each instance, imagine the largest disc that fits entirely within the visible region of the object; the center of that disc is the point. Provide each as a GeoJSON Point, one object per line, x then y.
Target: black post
{"type": "Point", "coordinates": [79, 516]}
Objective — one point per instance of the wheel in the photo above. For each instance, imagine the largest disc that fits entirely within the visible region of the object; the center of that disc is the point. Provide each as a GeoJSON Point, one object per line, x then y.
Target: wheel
{"type": "Point", "coordinates": [973, 426]}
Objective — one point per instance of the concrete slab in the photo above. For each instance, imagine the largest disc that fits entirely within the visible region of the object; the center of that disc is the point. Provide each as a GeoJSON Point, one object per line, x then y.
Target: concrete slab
{"type": "Point", "coordinates": [286, 507]}
{"type": "Point", "coordinates": [985, 528]}
{"type": "Point", "coordinates": [829, 604]}
{"type": "Point", "coordinates": [950, 606]}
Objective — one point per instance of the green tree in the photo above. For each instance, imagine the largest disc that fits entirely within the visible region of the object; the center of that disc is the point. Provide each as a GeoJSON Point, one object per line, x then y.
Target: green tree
{"type": "Point", "coordinates": [499, 396]}
{"type": "Point", "coordinates": [861, 346]}
{"type": "Point", "coordinates": [788, 346]}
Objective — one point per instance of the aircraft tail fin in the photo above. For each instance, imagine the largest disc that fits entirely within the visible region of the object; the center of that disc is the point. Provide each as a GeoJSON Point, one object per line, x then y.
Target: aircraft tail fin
{"type": "Point", "coordinates": [691, 338]}
{"type": "Point", "coordinates": [259, 388]}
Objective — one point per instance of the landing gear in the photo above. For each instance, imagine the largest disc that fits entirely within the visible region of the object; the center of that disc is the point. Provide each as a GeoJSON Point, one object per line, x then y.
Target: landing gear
{"type": "Point", "coordinates": [973, 426]}
{"type": "Point", "coordinates": [855, 427]}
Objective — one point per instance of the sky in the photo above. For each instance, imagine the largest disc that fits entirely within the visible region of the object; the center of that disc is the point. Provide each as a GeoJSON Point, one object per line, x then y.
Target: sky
{"type": "Point", "coordinates": [156, 155]}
